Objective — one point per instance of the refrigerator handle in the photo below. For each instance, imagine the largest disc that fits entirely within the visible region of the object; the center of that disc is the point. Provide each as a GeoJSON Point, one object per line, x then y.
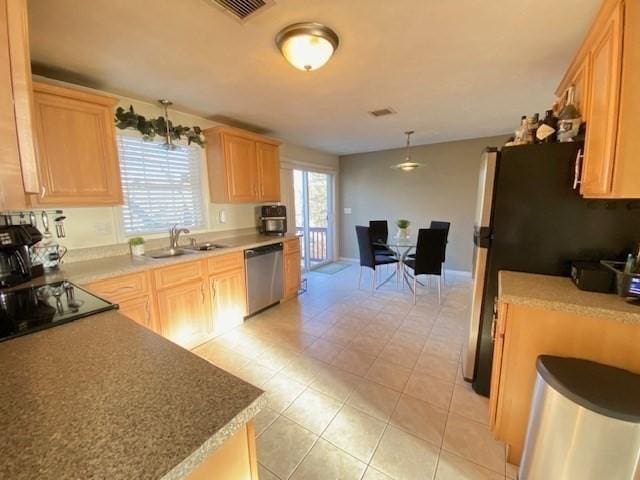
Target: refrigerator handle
{"type": "Point", "coordinates": [578, 170]}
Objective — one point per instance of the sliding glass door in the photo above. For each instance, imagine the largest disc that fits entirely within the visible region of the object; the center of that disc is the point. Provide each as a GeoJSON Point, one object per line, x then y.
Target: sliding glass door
{"type": "Point", "coordinates": [314, 207]}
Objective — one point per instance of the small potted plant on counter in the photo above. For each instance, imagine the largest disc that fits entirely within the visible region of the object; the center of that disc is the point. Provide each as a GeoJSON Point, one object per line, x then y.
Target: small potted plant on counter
{"type": "Point", "coordinates": [136, 245]}
{"type": "Point", "coordinates": [403, 228]}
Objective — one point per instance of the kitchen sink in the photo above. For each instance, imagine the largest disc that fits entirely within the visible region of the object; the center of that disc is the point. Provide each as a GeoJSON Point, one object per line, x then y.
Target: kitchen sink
{"type": "Point", "coordinates": [167, 253]}
{"type": "Point", "coordinates": [204, 247]}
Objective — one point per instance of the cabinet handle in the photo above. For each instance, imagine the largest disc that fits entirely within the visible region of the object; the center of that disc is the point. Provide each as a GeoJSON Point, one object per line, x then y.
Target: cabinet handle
{"type": "Point", "coordinates": [43, 191]}
{"type": "Point", "coordinates": [577, 169]}
{"type": "Point", "coordinates": [213, 290]}
{"type": "Point", "coordinates": [202, 292]}
{"type": "Point", "coordinates": [148, 312]}
{"type": "Point", "coordinates": [494, 320]}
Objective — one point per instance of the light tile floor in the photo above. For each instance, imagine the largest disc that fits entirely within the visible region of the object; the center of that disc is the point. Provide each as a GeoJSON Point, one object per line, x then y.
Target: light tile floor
{"type": "Point", "coordinates": [364, 386]}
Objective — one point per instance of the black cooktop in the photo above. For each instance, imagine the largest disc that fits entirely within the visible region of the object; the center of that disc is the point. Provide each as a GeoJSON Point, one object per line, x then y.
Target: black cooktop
{"type": "Point", "coordinates": [28, 310]}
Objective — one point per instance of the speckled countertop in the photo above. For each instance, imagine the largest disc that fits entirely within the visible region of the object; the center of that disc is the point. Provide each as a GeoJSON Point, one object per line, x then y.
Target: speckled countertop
{"type": "Point", "coordinates": [98, 269]}
{"type": "Point", "coordinates": [560, 293]}
{"type": "Point", "coordinates": [103, 397]}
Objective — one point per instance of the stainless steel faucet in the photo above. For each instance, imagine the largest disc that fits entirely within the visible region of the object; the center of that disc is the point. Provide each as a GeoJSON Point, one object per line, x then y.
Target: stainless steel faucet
{"type": "Point", "coordinates": [174, 235]}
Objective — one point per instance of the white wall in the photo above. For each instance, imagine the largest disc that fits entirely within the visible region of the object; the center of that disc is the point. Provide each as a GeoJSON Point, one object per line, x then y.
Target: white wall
{"type": "Point", "coordinates": [98, 226]}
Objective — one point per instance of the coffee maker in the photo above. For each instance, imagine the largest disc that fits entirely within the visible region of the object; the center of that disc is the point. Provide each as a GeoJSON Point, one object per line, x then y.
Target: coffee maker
{"type": "Point", "coordinates": [15, 258]}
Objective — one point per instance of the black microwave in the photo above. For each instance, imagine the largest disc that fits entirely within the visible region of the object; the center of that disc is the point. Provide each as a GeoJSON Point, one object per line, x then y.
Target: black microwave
{"type": "Point", "coordinates": [273, 220]}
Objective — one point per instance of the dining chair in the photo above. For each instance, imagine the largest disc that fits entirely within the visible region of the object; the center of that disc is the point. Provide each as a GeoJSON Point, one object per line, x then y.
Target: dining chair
{"type": "Point", "coordinates": [428, 257]}
{"type": "Point", "coordinates": [380, 235]}
{"type": "Point", "coordinates": [368, 257]}
{"type": "Point", "coordinates": [440, 225]}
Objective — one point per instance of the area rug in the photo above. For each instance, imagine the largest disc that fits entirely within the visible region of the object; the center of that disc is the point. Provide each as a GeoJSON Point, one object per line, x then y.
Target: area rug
{"type": "Point", "coordinates": [331, 268]}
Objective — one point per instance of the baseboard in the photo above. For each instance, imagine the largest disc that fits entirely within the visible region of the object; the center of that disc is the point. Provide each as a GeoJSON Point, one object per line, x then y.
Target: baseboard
{"type": "Point", "coordinates": [349, 260]}
{"type": "Point", "coordinates": [460, 273]}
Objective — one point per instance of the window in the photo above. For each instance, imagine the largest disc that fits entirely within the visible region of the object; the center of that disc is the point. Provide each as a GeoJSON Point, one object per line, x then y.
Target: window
{"type": "Point", "coordinates": [160, 187]}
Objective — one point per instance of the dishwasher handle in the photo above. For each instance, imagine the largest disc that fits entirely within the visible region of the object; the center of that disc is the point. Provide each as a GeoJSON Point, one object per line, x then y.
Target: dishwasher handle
{"type": "Point", "coordinates": [265, 250]}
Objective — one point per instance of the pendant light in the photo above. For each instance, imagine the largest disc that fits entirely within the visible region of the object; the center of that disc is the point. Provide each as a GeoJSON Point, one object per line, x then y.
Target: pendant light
{"type": "Point", "coordinates": [408, 165]}
{"type": "Point", "coordinates": [168, 143]}
{"type": "Point", "coordinates": [307, 46]}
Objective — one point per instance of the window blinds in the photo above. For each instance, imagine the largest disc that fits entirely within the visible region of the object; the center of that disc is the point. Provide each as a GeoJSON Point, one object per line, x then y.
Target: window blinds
{"type": "Point", "coordinates": [160, 187]}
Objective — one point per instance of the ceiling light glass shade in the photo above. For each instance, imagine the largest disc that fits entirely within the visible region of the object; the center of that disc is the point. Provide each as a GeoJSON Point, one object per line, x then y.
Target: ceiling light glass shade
{"type": "Point", "coordinates": [307, 46]}
{"type": "Point", "coordinates": [408, 165]}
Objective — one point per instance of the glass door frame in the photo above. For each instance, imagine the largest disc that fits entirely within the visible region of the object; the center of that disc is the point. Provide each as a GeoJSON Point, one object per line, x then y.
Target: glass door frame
{"type": "Point", "coordinates": [306, 238]}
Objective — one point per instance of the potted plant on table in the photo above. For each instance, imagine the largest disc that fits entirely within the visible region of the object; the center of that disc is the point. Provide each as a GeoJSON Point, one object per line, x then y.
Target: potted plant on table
{"type": "Point", "coordinates": [136, 245]}
{"type": "Point", "coordinates": [403, 228]}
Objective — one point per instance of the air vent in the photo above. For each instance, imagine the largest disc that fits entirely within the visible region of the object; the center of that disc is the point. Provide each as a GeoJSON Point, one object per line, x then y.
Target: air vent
{"type": "Point", "coordinates": [382, 112]}
{"type": "Point", "coordinates": [241, 9]}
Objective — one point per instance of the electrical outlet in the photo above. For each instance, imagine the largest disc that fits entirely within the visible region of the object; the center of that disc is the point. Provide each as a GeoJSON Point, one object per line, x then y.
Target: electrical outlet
{"type": "Point", "coordinates": [347, 210]}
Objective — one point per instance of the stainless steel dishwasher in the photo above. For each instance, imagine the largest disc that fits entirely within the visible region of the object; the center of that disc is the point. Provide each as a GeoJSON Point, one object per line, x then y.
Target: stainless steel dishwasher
{"type": "Point", "coordinates": [264, 276]}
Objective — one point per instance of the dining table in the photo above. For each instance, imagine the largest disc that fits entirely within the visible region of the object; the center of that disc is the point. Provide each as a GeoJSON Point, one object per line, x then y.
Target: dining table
{"type": "Point", "coordinates": [401, 248]}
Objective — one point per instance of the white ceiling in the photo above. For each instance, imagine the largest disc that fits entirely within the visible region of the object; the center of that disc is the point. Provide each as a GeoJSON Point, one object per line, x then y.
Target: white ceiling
{"type": "Point", "coordinates": [452, 69]}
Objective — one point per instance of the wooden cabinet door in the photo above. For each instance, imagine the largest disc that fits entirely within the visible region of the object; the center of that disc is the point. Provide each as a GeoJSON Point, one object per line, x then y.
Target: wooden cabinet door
{"type": "Point", "coordinates": [23, 92]}
{"type": "Point", "coordinates": [496, 367]}
{"type": "Point", "coordinates": [603, 103]}
{"type": "Point", "coordinates": [241, 168]}
{"type": "Point", "coordinates": [76, 147]}
{"type": "Point", "coordinates": [580, 82]}
{"type": "Point", "coordinates": [11, 189]}
{"type": "Point", "coordinates": [268, 171]}
{"type": "Point", "coordinates": [139, 310]}
{"type": "Point", "coordinates": [184, 314]}
{"type": "Point", "coordinates": [228, 299]}
{"type": "Point", "coordinates": [291, 274]}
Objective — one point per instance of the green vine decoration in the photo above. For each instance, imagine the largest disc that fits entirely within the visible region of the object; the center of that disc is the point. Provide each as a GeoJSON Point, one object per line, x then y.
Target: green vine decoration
{"type": "Point", "coordinates": [129, 119]}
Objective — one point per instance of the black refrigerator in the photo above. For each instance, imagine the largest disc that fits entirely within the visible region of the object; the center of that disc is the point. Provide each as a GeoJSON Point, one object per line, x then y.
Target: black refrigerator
{"type": "Point", "coordinates": [529, 218]}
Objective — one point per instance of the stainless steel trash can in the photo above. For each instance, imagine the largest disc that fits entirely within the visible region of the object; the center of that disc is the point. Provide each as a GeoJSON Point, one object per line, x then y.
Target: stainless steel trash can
{"type": "Point", "coordinates": [584, 422]}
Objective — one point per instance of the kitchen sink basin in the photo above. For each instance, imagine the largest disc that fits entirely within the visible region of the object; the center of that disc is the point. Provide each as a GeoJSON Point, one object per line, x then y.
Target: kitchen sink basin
{"type": "Point", "coordinates": [166, 253]}
{"type": "Point", "coordinates": [204, 247]}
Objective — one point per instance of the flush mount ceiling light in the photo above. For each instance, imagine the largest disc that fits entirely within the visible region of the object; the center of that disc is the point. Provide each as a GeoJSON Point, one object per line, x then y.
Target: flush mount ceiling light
{"type": "Point", "coordinates": [307, 46]}
{"type": "Point", "coordinates": [408, 165]}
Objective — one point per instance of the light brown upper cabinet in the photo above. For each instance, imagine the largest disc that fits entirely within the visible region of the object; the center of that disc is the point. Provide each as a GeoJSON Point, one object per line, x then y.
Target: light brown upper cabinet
{"type": "Point", "coordinates": [268, 171]}
{"type": "Point", "coordinates": [243, 167]}
{"type": "Point", "coordinates": [18, 171]}
{"type": "Point", "coordinates": [76, 147]}
{"type": "Point", "coordinates": [606, 75]}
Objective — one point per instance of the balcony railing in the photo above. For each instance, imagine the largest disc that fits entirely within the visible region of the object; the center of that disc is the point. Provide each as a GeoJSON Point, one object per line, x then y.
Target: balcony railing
{"type": "Point", "coordinates": [317, 243]}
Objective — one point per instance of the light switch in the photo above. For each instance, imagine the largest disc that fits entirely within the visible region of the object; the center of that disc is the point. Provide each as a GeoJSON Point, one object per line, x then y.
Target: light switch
{"type": "Point", "coordinates": [347, 210]}
{"type": "Point", "coordinates": [222, 216]}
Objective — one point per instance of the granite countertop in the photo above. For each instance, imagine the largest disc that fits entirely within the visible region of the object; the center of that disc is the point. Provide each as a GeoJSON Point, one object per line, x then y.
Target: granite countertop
{"type": "Point", "coordinates": [88, 271]}
{"type": "Point", "coordinates": [103, 397]}
{"type": "Point", "coordinates": [560, 293]}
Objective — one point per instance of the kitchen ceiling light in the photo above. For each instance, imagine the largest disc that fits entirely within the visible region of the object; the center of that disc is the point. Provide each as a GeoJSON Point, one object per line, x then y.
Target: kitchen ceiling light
{"type": "Point", "coordinates": [307, 46]}
{"type": "Point", "coordinates": [408, 165]}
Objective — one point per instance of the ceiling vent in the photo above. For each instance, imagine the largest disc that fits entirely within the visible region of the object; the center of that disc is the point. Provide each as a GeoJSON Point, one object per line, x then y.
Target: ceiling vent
{"type": "Point", "coordinates": [382, 112]}
{"type": "Point", "coordinates": [241, 9]}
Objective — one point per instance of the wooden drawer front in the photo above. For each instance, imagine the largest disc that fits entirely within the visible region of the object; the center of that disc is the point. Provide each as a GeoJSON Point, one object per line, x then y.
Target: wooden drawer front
{"type": "Point", "coordinates": [177, 274]}
{"type": "Point", "coordinates": [292, 246]}
{"type": "Point", "coordinates": [224, 263]}
{"type": "Point", "coordinates": [118, 289]}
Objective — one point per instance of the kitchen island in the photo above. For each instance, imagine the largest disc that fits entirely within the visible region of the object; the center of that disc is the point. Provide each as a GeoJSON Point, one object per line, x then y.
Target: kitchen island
{"type": "Point", "coordinates": [104, 397]}
{"type": "Point", "coordinates": [549, 315]}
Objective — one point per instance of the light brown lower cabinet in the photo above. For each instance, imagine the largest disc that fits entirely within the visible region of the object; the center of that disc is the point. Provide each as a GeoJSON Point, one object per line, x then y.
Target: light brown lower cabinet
{"type": "Point", "coordinates": [184, 313]}
{"type": "Point", "coordinates": [236, 459]}
{"type": "Point", "coordinates": [228, 299]}
{"type": "Point", "coordinates": [522, 334]}
{"type": "Point", "coordinates": [132, 293]}
{"type": "Point", "coordinates": [292, 268]}
{"type": "Point", "coordinates": [139, 310]}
